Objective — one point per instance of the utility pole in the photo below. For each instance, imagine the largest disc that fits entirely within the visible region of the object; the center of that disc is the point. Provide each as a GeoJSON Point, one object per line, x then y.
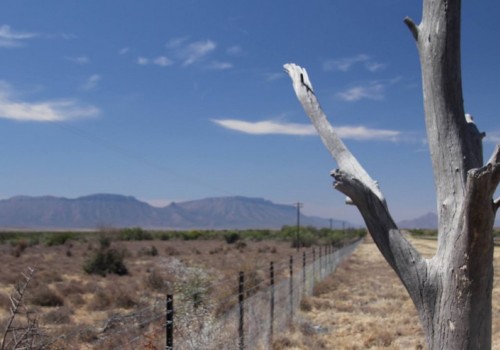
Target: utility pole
{"type": "Point", "coordinates": [331, 224]}
{"type": "Point", "coordinates": [298, 205]}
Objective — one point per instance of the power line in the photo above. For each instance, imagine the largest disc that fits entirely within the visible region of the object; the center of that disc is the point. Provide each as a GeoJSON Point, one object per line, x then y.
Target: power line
{"type": "Point", "coordinates": [137, 157]}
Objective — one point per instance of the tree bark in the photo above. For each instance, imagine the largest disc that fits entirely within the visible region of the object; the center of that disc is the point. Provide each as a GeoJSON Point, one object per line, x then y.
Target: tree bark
{"type": "Point", "coordinates": [452, 291]}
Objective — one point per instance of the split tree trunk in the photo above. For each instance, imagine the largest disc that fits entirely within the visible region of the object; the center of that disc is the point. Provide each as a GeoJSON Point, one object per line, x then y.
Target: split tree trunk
{"type": "Point", "coordinates": [452, 291]}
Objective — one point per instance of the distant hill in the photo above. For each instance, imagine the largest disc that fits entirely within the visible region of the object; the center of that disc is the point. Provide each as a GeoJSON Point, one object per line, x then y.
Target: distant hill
{"type": "Point", "coordinates": [123, 211]}
{"type": "Point", "coordinates": [427, 221]}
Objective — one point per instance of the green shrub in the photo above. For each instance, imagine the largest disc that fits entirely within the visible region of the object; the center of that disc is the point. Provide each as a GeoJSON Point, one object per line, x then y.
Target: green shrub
{"type": "Point", "coordinates": [106, 261]}
{"type": "Point", "coordinates": [135, 234]}
{"type": "Point", "coordinates": [231, 237]}
{"type": "Point", "coordinates": [54, 239]}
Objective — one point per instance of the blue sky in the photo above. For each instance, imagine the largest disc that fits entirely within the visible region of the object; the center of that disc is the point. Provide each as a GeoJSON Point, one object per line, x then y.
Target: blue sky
{"type": "Point", "coordinates": [180, 100]}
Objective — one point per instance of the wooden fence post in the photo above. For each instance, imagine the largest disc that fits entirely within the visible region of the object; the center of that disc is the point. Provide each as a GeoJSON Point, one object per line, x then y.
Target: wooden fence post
{"type": "Point", "coordinates": [169, 345]}
{"type": "Point", "coordinates": [241, 298]}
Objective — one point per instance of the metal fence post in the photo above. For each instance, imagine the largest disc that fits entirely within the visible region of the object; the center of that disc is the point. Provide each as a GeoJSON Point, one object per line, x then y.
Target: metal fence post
{"type": "Point", "coordinates": [170, 323]}
{"type": "Point", "coordinates": [314, 266]}
{"type": "Point", "coordinates": [303, 273]}
{"type": "Point", "coordinates": [291, 287]}
{"type": "Point", "coordinates": [320, 265]}
{"type": "Point", "coordinates": [271, 328]}
{"type": "Point", "coordinates": [241, 298]}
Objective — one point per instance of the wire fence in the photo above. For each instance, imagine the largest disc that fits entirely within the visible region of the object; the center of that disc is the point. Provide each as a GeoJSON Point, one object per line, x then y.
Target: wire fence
{"type": "Point", "coordinates": [246, 312]}
{"type": "Point", "coordinates": [248, 315]}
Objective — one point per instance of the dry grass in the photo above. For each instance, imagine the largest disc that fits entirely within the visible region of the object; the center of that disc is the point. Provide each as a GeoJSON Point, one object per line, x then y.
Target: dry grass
{"type": "Point", "coordinates": [364, 306]}
{"type": "Point", "coordinates": [73, 302]}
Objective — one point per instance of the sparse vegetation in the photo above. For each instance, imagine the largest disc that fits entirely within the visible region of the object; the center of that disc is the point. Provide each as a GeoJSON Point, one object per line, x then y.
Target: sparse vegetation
{"type": "Point", "coordinates": [106, 261]}
{"type": "Point", "coordinates": [188, 268]}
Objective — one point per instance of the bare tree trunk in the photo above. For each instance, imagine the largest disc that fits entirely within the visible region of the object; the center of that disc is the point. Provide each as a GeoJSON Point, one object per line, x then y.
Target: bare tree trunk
{"type": "Point", "coordinates": [452, 291]}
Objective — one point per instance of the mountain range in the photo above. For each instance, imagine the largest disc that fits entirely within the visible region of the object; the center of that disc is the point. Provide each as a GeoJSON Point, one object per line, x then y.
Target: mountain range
{"type": "Point", "coordinates": [111, 210]}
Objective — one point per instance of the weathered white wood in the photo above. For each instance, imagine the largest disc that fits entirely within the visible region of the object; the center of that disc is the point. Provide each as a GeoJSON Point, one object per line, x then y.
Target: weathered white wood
{"type": "Point", "coordinates": [345, 160]}
{"type": "Point", "coordinates": [452, 291]}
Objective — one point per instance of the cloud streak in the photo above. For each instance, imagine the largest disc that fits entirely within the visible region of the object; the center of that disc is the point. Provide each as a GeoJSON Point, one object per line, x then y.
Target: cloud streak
{"type": "Point", "coordinates": [78, 59]}
{"type": "Point", "coordinates": [161, 61]}
{"type": "Point", "coordinates": [92, 82]}
{"type": "Point", "coordinates": [196, 51]}
{"type": "Point", "coordinates": [373, 91]}
{"type": "Point", "coordinates": [44, 111]}
{"type": "Point", "coordinates": [11, 39]}
{"type": "Point", "coordinates": [345, 64]}
{"type": "Point", "coordinates": [270, 127]}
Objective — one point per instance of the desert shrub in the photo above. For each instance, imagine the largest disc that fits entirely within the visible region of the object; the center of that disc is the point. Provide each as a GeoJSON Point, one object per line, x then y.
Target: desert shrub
{"type": "Point", "coordinates": [164, 236]}
{"type": "Point", "coordinates": [148, 251]}
{"type": "Point", "coordinates": [171, 251]}
{"type": "Point", "coordinates": [60, 315]}
{"type": "Point", "coordinates": [59, 238]}
{"type": "Point", "coordinates": [240, 245]}
{"type": "Point", "coordinates": [123, 299]}
{"type": "Point", "coordinates": [4, 302]}
{"type": "Point", "coordinates": [88, 334]}
{"type": "Point", "coordinates": [155, 281]}
{"type": "Point", "coordinates": [106, 261]}
{"type": "Point", "coordinates": [322, 287]}
{"type": "Point", "coordinates": [104, 242]}
{"type": "Point", "coordinates": [191, 235]}
{"type": "Point", "coordinates": [305, 239]}
{"type": "Point", "coordinates": [135, 234]}
{"type": "Point", "coordinates": [100, 301]}
{"type": "Point", "coordinates": [231, 237]}
{"type": "Point", "coordinates": [216, 250]}
{"type": "Point", "coordinates": [18, 247]}
{"type": "Point", "coordinates": [305, 304]}
{"type": "Point", "coordinates": [46, 297]}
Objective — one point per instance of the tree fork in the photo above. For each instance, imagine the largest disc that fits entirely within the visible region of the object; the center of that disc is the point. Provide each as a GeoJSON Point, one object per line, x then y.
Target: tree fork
{"type": "Point", "coordinates": [452, 291]}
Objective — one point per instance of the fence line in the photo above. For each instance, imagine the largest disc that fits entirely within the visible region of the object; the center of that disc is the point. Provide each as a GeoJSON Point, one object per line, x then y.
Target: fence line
{"type": "Point", "coordinates": [254, 312]}
{"type": "Point", "coordinates": [256, 318]}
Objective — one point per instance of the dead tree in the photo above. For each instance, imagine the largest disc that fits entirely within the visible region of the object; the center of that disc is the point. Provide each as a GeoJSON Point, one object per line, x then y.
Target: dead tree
{"type": "Point", "coordinates": [451, 291]}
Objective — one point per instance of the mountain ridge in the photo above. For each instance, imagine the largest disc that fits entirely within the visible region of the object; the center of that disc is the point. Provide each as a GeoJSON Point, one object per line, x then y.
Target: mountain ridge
{"type": "Point", "coordinates": [103, 209]}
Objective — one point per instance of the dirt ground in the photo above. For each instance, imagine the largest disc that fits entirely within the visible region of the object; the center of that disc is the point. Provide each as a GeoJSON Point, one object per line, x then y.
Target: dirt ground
{"type": "Point", "coordinates": [364, 306]}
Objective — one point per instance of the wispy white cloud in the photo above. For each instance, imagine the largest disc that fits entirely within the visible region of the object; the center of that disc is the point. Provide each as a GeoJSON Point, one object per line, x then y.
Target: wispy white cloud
{"type": "Point", "coordinates": [375, 66]}
{"type": "Point", "coordinates": [345, 64]}
{"type": "Point", "coordinates": [142, 61]}
{"type": "Point", "coordinates": [234, 50]}
{"type": "Point", "coordinates": [176, 42]}
{"type": "Point", "coordinates": [274, 76]}
{"type": "Point", "coordinates": [271, 127]}
{"type": "Point", "coordinates": [161, 61]}
{"type": "Point", "coordinates": [42, 111]}
{"type": "Point", "coordinates": [78, 59]}
{"type": "Point", "coordinates": [216, 65]}
{"type": "Point", "coordinates": [124, 50]}
{"type": "Point", "coordinates": [266, 127]}
{"type": "Point", "coordinates": [493, 137]}
{"type": "Point", "coordinates": [362, 133]}
{"type": "Point", "coordinates": [372, 91]}
{"type": "Point", "coordinates": [10, 38]}
{"type": "Point", "coordinates": [91, 82]}
{"type": "Point", "coordinates": [184, 52]}
{"type": "Point", "coordinates": [196, 51]}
